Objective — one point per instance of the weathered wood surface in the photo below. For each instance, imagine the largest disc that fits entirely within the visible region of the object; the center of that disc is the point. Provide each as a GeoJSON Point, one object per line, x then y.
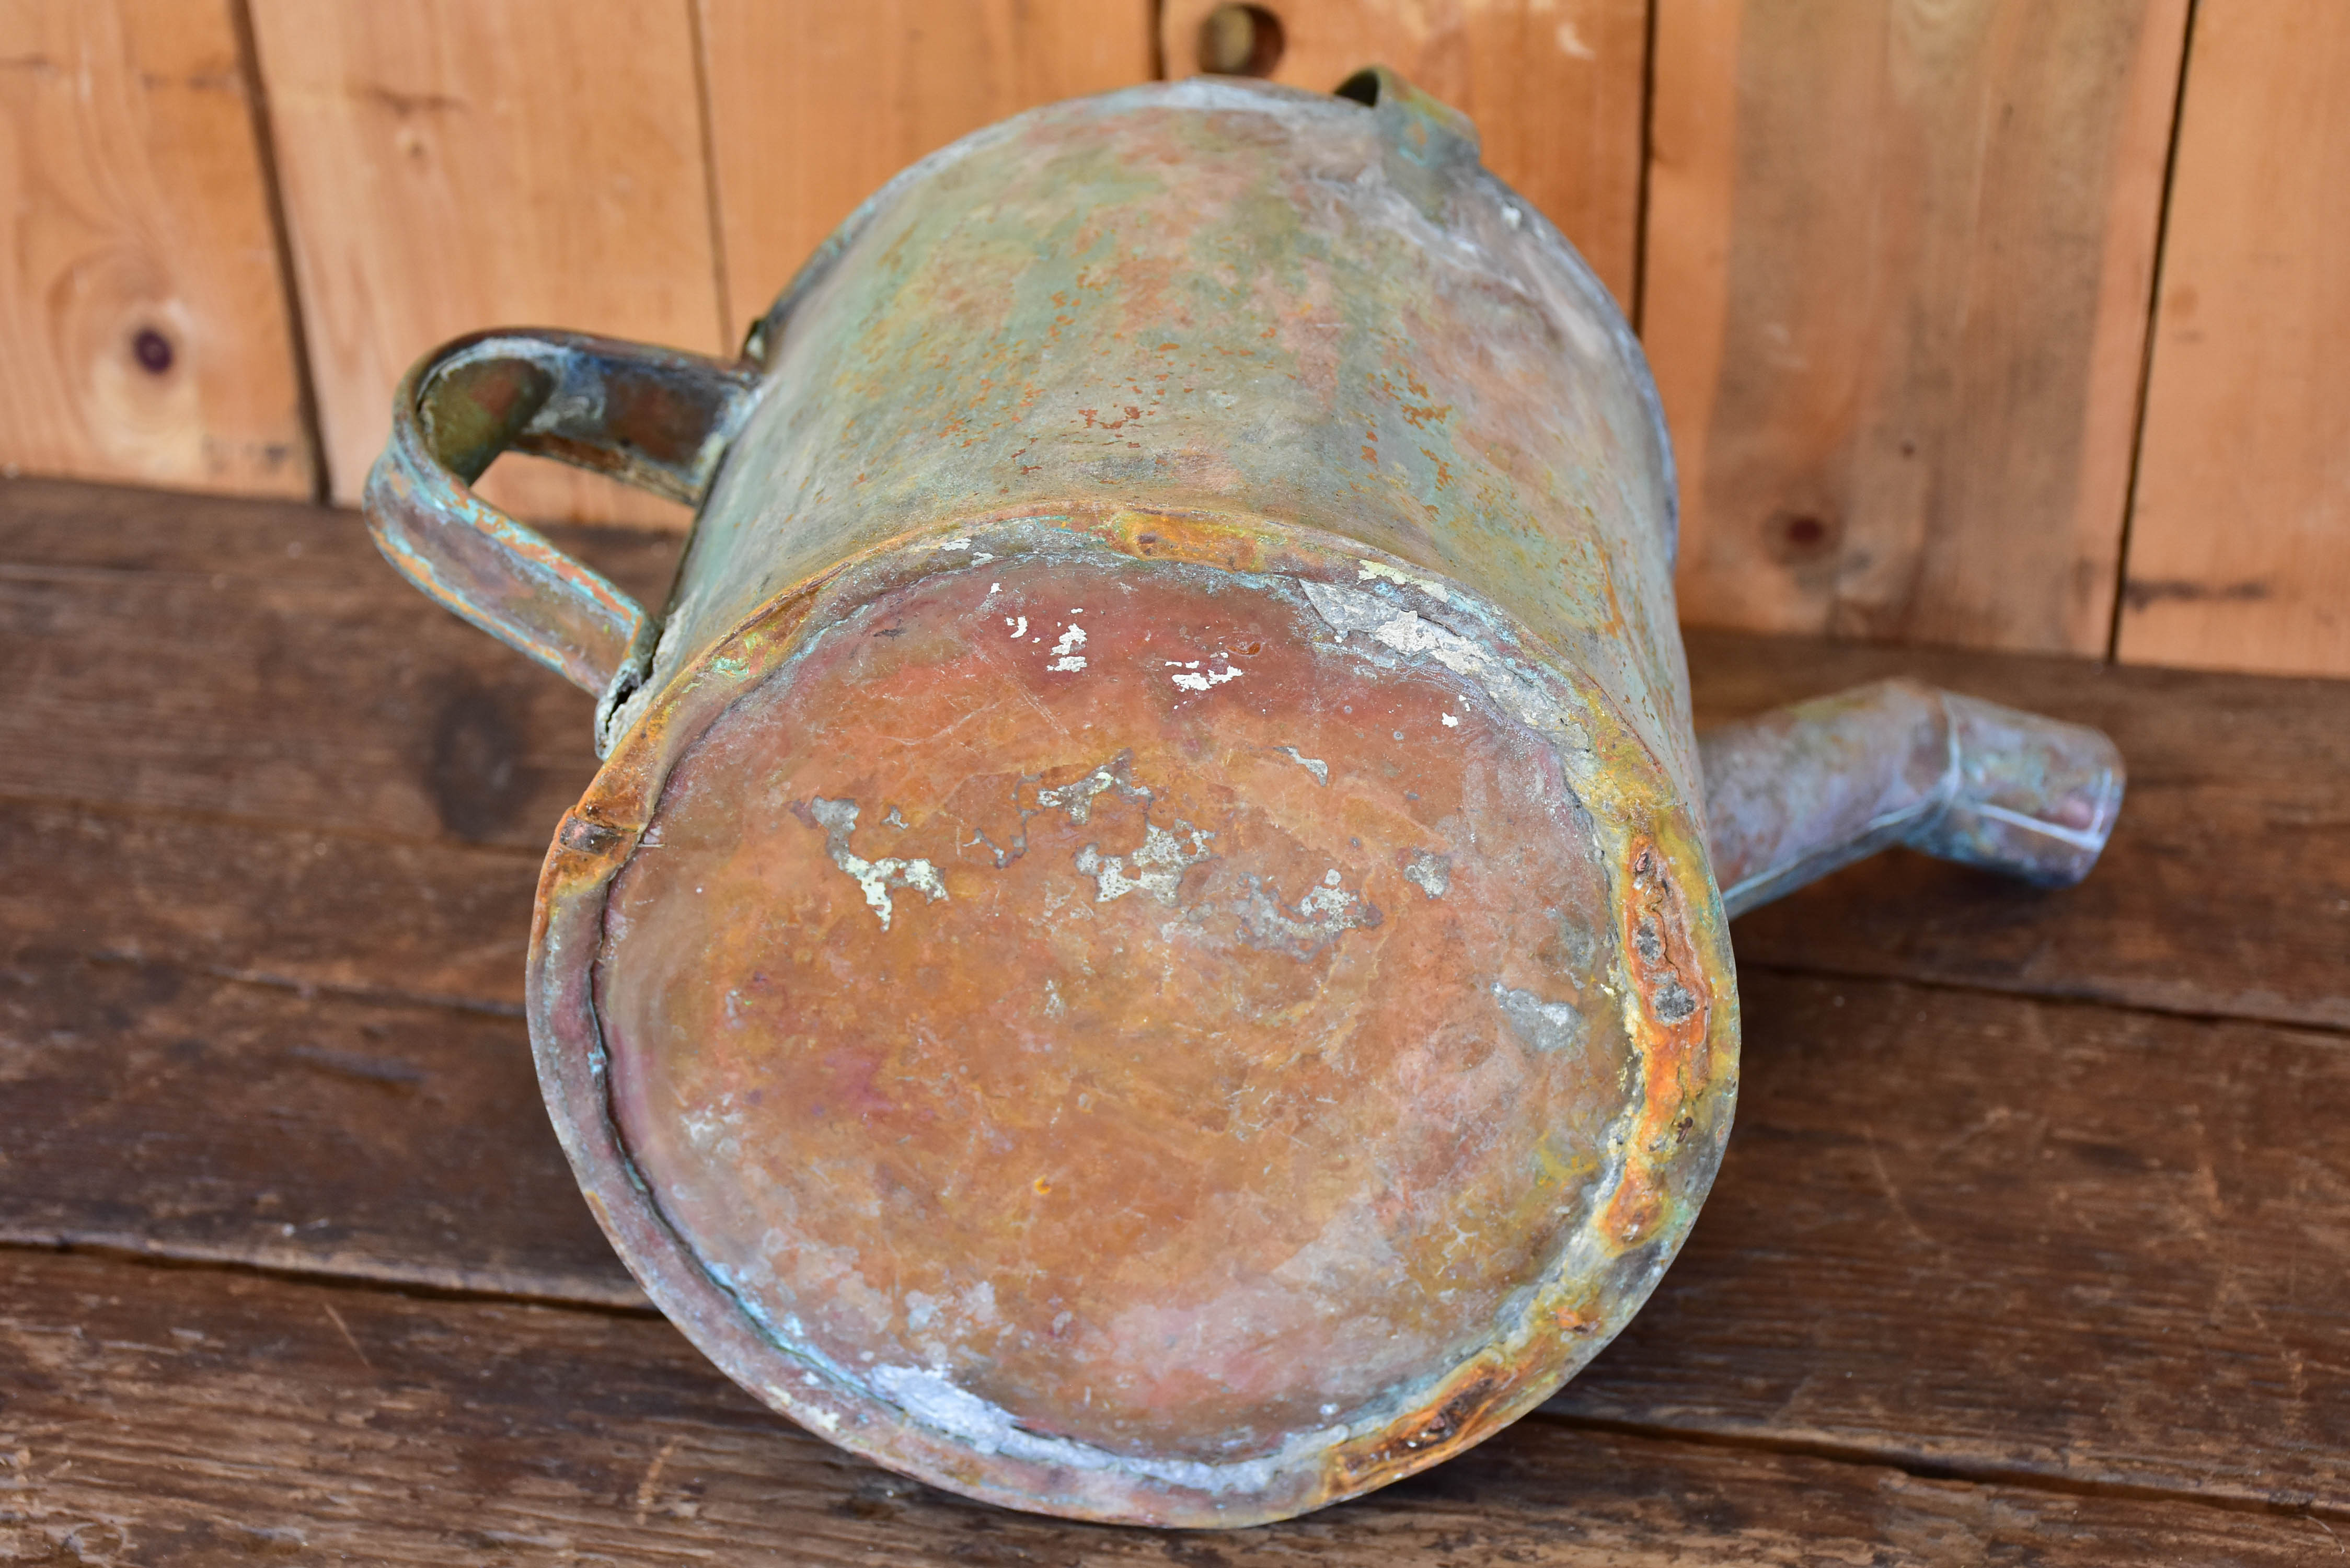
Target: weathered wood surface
{"type": "Point", "coordinates": [812, 107]}
{"type": "Point", "coordinates": [2240, 540]}
{"type": "Point", "coordinates": [1898, 263]}
{"type": "Point", "coordinates": [262, 947]}
{"type": "Point", "coordinates": [152, 1110]}
{"type": "Point", "coordinates": [1557, 90]}
{"type": "Point", "coordinates": [202, 1416]}
{"type": "Point", "coordinates": [145, 331]}
{"type": "Point", "coordinates": [229, 659]}
{"type": "Point", "coordinates": [448, 167]}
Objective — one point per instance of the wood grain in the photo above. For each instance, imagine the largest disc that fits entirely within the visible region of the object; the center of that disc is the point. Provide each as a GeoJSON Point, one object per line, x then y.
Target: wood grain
{"type": "Point", "coordinates": [2240, 540]}
{"type": "Point", "coordinates": [170, 1418]}
{"type": "Point", "coordinates": [294, 908]}
{"type": "Point", "coordinates": [139, 225]}
{"type": "Point", "coordinates": [1899, 259]}
{"type": "Point", "coordinates": [251, 1124]}
{"type": "Point", "coordinates": [814, 107]}
{"type": "Point", "coordinates": [262, 663]}
{"type": "Point", "coordinates": [450, 166]}
{"type": "Point", "coordinates": [1557, 87]}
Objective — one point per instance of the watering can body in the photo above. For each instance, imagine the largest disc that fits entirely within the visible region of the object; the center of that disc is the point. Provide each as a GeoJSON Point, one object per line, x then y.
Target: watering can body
{"type": "Point", "coordinates": [1150, 944]}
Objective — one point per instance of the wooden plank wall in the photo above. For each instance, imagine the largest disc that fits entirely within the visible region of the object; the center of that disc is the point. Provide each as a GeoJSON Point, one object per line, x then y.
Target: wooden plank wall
{"type": "Point", "coordinates": [1899, 259]}
{"type": "Point", "coordinates": [1895, 260]}
{"type": "Point", "coordinates": [2240, 543]}
{"type": "Point", "coordinates": [144, 333]}
{"type": "Point", "coordinates": [1557, 90]}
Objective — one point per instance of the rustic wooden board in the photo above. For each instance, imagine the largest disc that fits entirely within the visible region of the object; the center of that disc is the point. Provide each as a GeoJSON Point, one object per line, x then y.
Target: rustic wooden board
{"type": "Point", "coordinates": [450, 166]}
{"type": "Point", "coordinates": [264, 663]}
{"type": "Point", "coordinates": [1557, 90]}
{"type": "Point", "coordinates": [183, 1416]}
{"type": "Point", "coordinates": [1899, 266]}
{"type": "Point", "coordinates": [812, 107]}
{"type": "Point", "coordinates": [2226, 889]}
{"type": "Point", "coordinates": [1984, 1234]}
{"type": "Point", "coordinates": [144, 332]}
{"type": "Point", "coordinates": [152, 1110]}
{"type": "Point", "coordinates": [2240, 540]}
{"type": "Point", "coordinates": [446, 922]}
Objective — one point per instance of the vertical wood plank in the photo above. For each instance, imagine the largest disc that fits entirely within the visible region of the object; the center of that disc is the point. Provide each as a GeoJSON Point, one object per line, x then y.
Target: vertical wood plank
{"type": "Point", "coordinates": [813, 106]}
{"type": "Point", "coordinates": [451, 165]}
{"type": "Point", "coordinates": [2240, 542]}
{"type": "Point", "coordinates": [143, 329]}
{"type": "Point", "coordinates": [1557, 87]}
{"type": "Point", "coordinates": [1900, 260]}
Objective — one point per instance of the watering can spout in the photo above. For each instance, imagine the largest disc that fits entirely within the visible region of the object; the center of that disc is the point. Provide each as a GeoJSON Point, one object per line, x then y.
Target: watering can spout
{"type": "Point", "coordinates": [1796, 793]}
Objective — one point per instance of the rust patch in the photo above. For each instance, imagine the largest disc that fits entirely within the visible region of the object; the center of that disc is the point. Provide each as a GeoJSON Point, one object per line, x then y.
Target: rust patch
{"type": "Point", "coordinates": [1676, 1015]}
{"type": "Point", "coordinates": [1457, 1413]}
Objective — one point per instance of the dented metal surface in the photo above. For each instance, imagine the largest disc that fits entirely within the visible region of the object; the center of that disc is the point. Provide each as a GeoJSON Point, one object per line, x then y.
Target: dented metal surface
{"type": "Point", "coordinates": [1145, 945]}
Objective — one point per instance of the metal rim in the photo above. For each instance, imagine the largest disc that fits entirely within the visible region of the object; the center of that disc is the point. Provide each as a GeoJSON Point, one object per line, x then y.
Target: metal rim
{"type": "Point", "coordinates": [1678, 994]}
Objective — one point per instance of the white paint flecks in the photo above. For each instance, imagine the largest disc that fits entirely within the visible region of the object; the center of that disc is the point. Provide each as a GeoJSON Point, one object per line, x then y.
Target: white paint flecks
{"type": "Point", "coordinates": [1315, 765]}
{"type": "Point", "coordinates": [1157, 868]}
{"type": "Point", "coordinates": [1326, 913]}
{"type": "Point", "coordinates": [1351, 610]}
{"type": "Point", "coordinates": [1076, 797]}
{"type": "Point", "coordinates": [875, 878]}
{"type": "Point", "coordinates": [1432, 874]}
{"type": "Point", "coordinates": [1191, 682]}
{"type": "Point", "coordinates": [1542, 1025]}
{"type": "Point", "coordinates": [928, 1396]}
{"type": "Point", "coordinates": [1019, 628]}
{"type": "Point", "coordinates": [1380, 571]}
{"type": "Point", "coordinates": [1451, 721]}
{"type": "Point", "coordinates": [1065, 654]}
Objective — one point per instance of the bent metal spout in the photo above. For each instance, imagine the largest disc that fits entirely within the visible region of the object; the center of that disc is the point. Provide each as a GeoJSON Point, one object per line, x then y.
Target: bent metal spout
{"type": "Point", "coordinates": [1151, 943]}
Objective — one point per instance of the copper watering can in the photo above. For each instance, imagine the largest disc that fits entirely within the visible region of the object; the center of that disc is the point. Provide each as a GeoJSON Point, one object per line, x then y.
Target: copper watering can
{"type": "Point", "coordinates": [1150, 941]}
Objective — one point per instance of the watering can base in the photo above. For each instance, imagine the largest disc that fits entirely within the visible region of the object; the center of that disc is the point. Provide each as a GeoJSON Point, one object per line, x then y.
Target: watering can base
{"type": "Point", "coordinates": [1112, 1034]}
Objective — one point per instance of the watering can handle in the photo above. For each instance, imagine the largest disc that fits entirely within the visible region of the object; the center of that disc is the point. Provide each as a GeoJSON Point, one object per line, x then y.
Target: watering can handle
{"type": "Point", "coordinates": [658, 418]}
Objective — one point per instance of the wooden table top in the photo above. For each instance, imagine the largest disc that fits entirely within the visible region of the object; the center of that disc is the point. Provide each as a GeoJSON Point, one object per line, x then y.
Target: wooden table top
{"type": "Point", "coordinates": [2033, 1243]}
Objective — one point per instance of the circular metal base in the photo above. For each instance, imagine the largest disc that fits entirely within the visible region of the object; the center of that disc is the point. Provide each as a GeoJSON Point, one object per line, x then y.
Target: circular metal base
{"type": "Point", "coordinates": [1127, 1033]}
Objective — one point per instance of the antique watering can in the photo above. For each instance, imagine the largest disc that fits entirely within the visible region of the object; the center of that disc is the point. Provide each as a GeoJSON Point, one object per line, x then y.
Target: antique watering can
{"type": "Point", "coordinates": [1150, 941]}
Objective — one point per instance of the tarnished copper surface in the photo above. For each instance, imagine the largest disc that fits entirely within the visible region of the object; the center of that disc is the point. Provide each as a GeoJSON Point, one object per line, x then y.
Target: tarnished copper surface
{"type": "Point", "coordinates": [1246, 1101]}
{"type": "Point", "coordinates": [1145, 945]}
{"type": "Point", "coordinates": [1166, 1026]}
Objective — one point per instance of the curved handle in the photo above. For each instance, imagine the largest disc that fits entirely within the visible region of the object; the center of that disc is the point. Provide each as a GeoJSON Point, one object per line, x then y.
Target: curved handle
{"type": "Point", "coordinates": [657, 417]}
